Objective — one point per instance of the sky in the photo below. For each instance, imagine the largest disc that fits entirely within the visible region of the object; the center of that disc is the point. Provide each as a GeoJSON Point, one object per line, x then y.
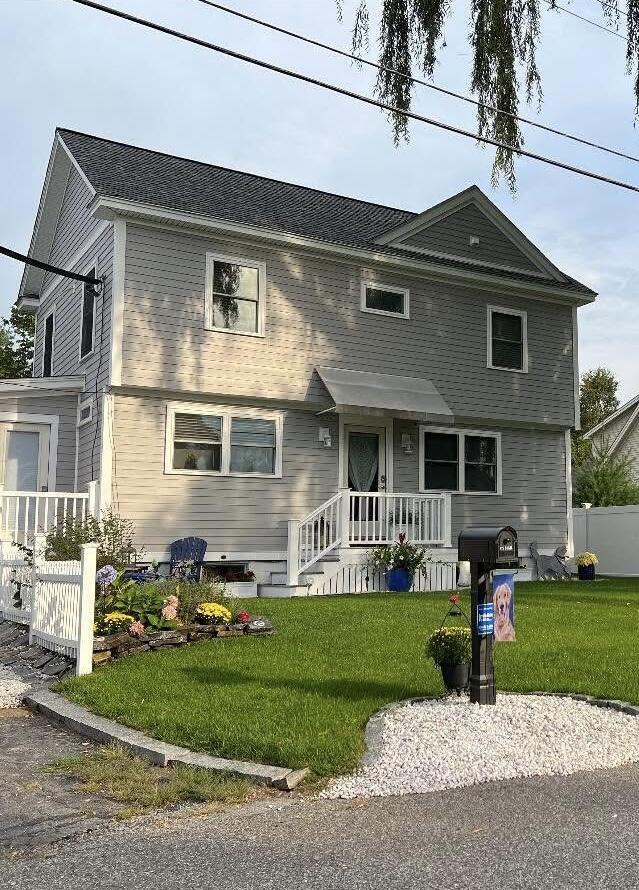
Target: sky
{"type": "Point", "coordinates": [66, 65]}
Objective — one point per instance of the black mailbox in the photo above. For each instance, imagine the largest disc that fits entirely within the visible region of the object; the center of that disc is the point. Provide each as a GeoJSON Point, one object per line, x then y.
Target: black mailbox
{"type": "Point", "coordinates": [492, 546]}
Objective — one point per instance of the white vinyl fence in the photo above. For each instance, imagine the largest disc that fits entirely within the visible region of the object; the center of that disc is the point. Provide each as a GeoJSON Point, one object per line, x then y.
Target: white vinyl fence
{"type": "Point", "coordinates": [56, 599]}
{"type": "Point", "coordinates": [613, 534]}
{"type": "Point", "coordinates": [360, 578]}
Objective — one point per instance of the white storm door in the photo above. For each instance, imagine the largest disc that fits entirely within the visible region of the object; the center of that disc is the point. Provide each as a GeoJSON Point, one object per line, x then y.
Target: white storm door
{"type": "Point", "coordinates": [24, 456]}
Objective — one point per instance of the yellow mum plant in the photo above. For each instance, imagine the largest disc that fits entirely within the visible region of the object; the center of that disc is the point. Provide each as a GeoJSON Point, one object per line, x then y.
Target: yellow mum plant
{"type": "Point", "coordinates": [114, 623]}
{"type": "Point", "coordinates": [212, 613]}
{"type": "Point", "coordinates": [587, 558]}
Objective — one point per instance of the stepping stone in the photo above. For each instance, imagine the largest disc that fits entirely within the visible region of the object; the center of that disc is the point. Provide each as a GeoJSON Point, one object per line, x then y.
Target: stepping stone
{"type": "Point", "coordinates": [44, 659]}
{"type": "Point", "coordinates": [55, 667]}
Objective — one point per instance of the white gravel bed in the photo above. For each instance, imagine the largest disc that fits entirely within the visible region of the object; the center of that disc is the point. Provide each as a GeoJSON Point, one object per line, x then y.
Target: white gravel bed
{"type": "Point", "coordinates": [450, 743]}
{"type": "Point", "coordinates": [12, 688]}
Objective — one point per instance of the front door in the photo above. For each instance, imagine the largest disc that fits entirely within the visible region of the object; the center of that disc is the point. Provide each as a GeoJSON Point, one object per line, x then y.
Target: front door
{"type": "Point", "coordinates": [24, 457]}
{"type": "Point", "coordinates": [366, 470]}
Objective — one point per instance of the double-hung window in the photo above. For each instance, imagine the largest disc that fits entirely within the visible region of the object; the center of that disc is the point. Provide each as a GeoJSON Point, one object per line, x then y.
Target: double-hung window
{"type": "Point", "coordinates": [384, 299]}
{"type": "Point", "coordinates": [507, 339]}
{"type": "Point", "coordinates": [464, 461]}
{"type": "Point", "coordinates": [87, 323]}
{"type": "Point", "coordinates": [235, 295]}
{"type": "Point", "coordinates": [221, 441]}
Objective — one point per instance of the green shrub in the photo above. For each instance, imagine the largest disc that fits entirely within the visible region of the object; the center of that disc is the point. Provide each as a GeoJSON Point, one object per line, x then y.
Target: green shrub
{"type": "Point", "coordinates": [113, 535]}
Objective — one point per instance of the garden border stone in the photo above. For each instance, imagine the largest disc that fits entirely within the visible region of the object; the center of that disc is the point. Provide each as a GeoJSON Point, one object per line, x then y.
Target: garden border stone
{"type": "Point", "coordinates": [100, 729]}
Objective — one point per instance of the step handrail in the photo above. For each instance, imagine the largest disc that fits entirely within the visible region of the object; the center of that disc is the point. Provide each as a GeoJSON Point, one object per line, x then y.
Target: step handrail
{"type": "Point", "coordinates": [315, 536]}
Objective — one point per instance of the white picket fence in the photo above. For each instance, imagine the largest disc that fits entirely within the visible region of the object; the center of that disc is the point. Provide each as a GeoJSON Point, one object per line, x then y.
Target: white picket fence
{"type": "Point", "coordinates": [360, 578]}
{"type": "Point", "coordinates": [55, 599]}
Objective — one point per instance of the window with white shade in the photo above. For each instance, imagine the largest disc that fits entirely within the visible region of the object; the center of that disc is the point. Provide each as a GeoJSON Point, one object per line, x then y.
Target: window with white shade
{"type": "Point", "coordinates": [464, 461]}
{"type": "Point", "coordinates": [235, 290]}
{"type": "Point", "coordinates": [202, 440]}
{"type": "Point", "coordinates": [507, 339]}
{"type": "Point", "coordinates": [385, 299]}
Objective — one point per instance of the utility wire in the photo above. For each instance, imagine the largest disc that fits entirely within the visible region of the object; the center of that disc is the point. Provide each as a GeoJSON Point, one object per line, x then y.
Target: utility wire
{"type": "Point", "coordinates": [589, 21]}
{"type": "Point", "coordinates": [431, 86]}
{"type": "Point", "coordinates": [30, 261]}
{"type": "Point", "coordinates": [342, 91]}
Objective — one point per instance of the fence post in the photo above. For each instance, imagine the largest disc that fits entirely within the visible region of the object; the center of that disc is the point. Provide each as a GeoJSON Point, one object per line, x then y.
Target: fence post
{"type": "Point", "coordinates": [93, 505]}
{"type": "Point", "coordinates": [448, 520]}
{"type": "Point", "coordinates": [3, 587]}
{"type": "Point", "coordinates": [39, 544]}
{"type": "Point", "coordinates": [86, 609]}
{"type": "Point", "coordinates": [293, 555]}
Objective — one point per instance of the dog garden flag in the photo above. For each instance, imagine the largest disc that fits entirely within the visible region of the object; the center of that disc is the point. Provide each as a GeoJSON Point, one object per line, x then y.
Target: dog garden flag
{"type": "Point", "coordinates": [504, 601]}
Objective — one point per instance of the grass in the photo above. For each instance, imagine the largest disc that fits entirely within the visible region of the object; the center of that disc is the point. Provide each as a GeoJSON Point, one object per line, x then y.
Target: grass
{"type": "Point", "coordinates": [303, 697]}
{"type": "Point", "coordinates": [126, 778]}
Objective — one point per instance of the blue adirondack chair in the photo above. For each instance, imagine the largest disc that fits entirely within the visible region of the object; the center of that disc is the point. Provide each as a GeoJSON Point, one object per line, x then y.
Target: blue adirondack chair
{"type": "Point", "coordinates": [187, 558]}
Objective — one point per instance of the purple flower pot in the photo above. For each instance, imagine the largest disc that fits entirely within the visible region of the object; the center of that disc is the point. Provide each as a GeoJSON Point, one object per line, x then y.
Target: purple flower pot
{"type": "Point", "coordinates": [398, 580]}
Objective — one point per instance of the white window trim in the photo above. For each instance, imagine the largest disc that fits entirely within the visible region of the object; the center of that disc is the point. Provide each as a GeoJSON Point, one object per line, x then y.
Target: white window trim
{"type": "Point", "coordinates": [44, 341]}
{"type": "Point", "coordinates": [461, 465]}
{"type": "Point", "coordinates": [503, 310]}
{"type": "Point", "coordinates": [85, 271]}
{"type": "Point", "coordinates": [393, 289]}
{"type": "Point", "coordinates": [226, 413]}
{"type": "Point", "coordinates": [211, 258]}
{"type": "Point", "coordinates": [81, 406]}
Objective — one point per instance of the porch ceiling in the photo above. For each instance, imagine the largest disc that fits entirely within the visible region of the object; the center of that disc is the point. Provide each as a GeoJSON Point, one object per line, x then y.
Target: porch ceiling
{"type": "Point", "coordinates": [362, 392]}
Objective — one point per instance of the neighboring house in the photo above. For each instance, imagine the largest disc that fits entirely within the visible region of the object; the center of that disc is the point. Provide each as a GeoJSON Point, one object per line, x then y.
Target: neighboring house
{"type": "Point", "coordinates": [619, 433]}
{"type": "Point", "coordinates": [259, 348]}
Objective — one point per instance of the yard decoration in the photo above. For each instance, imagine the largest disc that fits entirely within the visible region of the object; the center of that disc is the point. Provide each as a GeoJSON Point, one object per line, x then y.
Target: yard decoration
{"type": "Point", "coordinates": [551, 568]}
{"type": "Point", "coordinates": [586, 563]}
{"type": "Point", "coordinates": [399, 562]}
{"type": "Point", "coordinates": [450, 649]}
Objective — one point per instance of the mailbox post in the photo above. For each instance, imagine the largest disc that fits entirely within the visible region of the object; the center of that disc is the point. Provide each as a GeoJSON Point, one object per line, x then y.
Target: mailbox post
{"type": "Point", "coordinates": [486, 549]}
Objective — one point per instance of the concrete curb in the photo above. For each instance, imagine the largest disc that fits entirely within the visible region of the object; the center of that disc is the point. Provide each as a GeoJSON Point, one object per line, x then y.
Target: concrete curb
{"type": "Point", "coordinates": [100, 729]}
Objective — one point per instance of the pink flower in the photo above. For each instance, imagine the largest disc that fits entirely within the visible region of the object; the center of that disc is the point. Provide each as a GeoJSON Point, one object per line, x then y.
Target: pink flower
{"type": "Point", "coordinates": [169, 612]}
{"type": "Point", "coordinates": [136, 629]}
{"type": "Point", "coordinates": [172, 601]}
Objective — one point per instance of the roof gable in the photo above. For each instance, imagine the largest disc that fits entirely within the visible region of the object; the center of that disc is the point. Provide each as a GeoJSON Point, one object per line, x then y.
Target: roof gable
{"type": "Point", "coordinates": [470, 228]}
{"type": "Point", "coordinates": [615, 428]}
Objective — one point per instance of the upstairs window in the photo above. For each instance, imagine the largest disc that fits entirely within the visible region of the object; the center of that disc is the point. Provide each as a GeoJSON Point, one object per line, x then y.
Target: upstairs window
{"type": "Point", "coordinates": [221, 441]}
{"type": "Point", "coordinates": [234, 295]}
{"type": "Point", "coordinates": [507, 339]}
{"type": "Point", "coordinates": [87, 323]}
{"type": "Point", "coordinates": [464, 461]}
{"type": "Point", "coordinates": [385, 300]}
{"type": "Point", "coordinates": [47, 349]}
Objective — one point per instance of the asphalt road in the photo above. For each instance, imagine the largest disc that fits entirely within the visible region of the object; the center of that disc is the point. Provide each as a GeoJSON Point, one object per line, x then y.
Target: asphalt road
{"type": "Point", "coordinates": [580, 831]}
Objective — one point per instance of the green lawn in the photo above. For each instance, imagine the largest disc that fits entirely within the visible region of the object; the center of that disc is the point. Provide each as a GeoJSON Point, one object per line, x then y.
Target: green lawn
{"type": "Point", "coordinates": [303, 697]}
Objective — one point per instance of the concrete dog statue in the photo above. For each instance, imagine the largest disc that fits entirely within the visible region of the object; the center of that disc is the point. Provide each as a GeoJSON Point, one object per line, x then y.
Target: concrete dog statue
{"type": "Point", "coordinates": [551, 568]}
{"type": "Point", "coordinates": [504, 630]}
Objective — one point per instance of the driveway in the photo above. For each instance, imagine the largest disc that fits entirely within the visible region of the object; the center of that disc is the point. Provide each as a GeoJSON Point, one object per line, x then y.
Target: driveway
{"type": "Point", "coordinates": [573, 832]}
{"type": "Point", "coordinates": [37, 808]}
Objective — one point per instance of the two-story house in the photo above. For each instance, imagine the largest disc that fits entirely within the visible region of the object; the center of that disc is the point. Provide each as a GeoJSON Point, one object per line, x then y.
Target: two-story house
{"type": "Point", "coordinates": [287, 373]}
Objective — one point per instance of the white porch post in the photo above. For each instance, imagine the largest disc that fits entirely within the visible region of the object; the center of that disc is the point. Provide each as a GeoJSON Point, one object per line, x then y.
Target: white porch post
{"type": "Point", "coordinates": [293, 556]}
{"type": "Point", "coordinates": [86, 609]}
{"type": "Point", "coordinates": [39, 546]}
{"type": "Point", "coordinates": [448, 519]}
{"type": "Point", "coordinates": [93, 504]}
{"type": "Point", "coordinates": [345, 517]}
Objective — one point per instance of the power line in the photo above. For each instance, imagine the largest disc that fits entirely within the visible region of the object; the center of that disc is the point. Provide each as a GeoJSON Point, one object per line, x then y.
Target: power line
{"type": "Point", "coordinates": [342, 91]}
{"type": "Point", "coordinates": [431, 86]}
{"type": "Point", "coordinates": [589, 21]}
{"type": "Point", "coordinates": [30, 261]}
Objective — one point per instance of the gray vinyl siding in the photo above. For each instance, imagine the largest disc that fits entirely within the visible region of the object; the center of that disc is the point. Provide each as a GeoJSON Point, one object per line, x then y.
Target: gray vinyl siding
{"type": "Point", "coordinates": [65, 407]}
{"type": "Point", "coordinates": [231, 513]}
{"type": "Point", "coordinates": [534, 499]}
{"type": "Point", "coordinates": [630, 447]}
{"type": "Point", "coordinates": [75, 224]}
{"type": "Point", "coordinates": [451, 236]}
{"type": "Point", "coordinates": [313, 318]}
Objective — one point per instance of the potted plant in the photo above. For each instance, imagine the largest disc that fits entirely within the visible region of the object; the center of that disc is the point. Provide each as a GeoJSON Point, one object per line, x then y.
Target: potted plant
{"type": "Point", "coordinates": [450, 649]}
{"type": "Point", "coordinates": [586, 563]}
{"type": "Point", "coordinates": [399, 562]}
{"type": "Point", "coordinates": [241, 584]}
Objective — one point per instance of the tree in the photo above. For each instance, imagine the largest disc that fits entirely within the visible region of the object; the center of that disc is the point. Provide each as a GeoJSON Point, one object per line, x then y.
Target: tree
{"type": "Point", "coordinates": [16, 345]}
{"type": "Point", "coordinates": [504, 35]}
{"type": "Point", "coordinates": [597, 400]}
{"type": "Point", "coordinates": [605, 480]}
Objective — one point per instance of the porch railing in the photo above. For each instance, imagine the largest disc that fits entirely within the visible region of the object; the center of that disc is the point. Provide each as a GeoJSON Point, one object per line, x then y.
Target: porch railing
{"type": "Point", "coordinates": [352, 518]}
{"type": "Point", "coordinates": [24, 514]}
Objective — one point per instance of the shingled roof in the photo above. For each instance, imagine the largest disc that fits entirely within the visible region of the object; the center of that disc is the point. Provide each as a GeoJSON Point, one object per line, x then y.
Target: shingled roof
{"type": "Point", "coordinates": [118, 170]}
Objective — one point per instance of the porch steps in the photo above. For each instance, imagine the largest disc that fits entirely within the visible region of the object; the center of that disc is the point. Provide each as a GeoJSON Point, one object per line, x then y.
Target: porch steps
{"type": "Point", "coordinates": [277, 587]}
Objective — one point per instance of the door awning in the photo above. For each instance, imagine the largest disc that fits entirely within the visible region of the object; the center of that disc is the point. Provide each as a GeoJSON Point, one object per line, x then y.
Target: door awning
{"type": "Point", "coordinates": [361, 392]}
